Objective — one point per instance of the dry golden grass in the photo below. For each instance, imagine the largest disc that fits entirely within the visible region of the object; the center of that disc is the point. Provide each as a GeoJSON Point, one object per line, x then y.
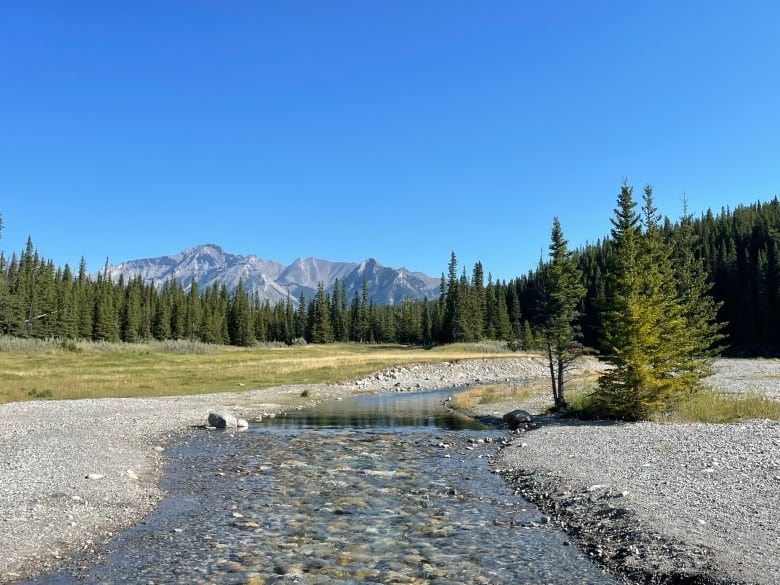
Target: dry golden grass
{"type": "Point", "coordinates": [578, 384]}
{"type": "Point", "coordinates": [705, 406]}
{"type": "Point", "coordinates": [84, 370]}
{"type": "Point", "coordinates": [498, 393]}
{"type": "Point", "coordinates": [711, 407]}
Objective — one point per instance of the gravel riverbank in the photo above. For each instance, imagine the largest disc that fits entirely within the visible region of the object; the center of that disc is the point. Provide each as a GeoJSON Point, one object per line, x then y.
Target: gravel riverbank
{"type": "Point", "coordinates": [664, 503]}
{"type": "Point", "coordinates": [75, 473]}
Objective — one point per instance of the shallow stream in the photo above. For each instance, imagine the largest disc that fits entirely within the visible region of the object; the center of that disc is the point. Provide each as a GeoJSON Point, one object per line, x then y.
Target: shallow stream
{"type": "Point", "coordinates": [372, 489]}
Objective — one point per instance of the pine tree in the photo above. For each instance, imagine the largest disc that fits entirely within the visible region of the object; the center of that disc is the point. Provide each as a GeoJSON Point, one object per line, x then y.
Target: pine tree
{"type": "Point", "coordinates": [106, 321]}
{"type": "Point", "coordinates": [466, 324]}
{"type": "Point", "coordinates": [643, 326]}
{"type": "Point", "coordinates": [563, 292]}
{"type": "Point", "coordinates": [301, 318]}
{"type": "Point", "coordinates": [451, 327]}
{"type": "Point", "coordinates": [27, 288]}
{"type": "Point", "coordinates": [178, 312]}
{"type": "Point", "coordinates": [516, 322]}
{"type": "Point", "coordinates": [426, 321]}
{"type": "Point", "coordinates": [480, 299]}
{"type": "Point", "coordinates": [700, 310]}
{"type": "Point", "coordinates": [65, 304]}
{"type": "Point", "coordinates": [131, 319]}
{"type": "Point", "coordinates": [503, 327]}
{"type": "Point", "coordinates": [322, 328]}
{"type": "Point", "coordinates": [337, 312]}
{"type": "Point", "coordinates": [193, 312]}
{"type": "Point", "coordinates": [240, 325]}
{"type": "Point", "coordinates": [161, 324]}
{"type": "Point", "coordinates": [5, 298]}
{"type": "Point", "coordinates": [85, 302]}
{"type": "Point", "coordinates": [364, 316]}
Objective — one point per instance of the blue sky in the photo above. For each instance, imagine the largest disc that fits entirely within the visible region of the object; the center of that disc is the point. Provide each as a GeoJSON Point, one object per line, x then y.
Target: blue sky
{"type": "Point", "coordinates": [395, 130]}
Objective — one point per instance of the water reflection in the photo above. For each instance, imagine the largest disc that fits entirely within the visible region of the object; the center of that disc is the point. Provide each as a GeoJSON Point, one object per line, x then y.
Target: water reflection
{"type": "Point", "coordinates": [392, 411]}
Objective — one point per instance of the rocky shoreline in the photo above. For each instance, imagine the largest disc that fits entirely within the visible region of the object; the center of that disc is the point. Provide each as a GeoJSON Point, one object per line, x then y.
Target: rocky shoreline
{"type": "Point", "coordinates": [663, 503]}
{"type": "Point", "coordinates": [654, 503]}
{"type": "Point", "coordinates": [661, 516]}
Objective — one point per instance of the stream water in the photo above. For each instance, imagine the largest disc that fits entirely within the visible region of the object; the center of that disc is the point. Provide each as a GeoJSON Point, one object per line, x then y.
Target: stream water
{"type": "Point", "coordinates": [371, 489]}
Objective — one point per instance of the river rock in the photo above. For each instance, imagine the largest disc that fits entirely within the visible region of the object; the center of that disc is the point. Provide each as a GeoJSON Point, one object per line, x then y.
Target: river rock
{"type": "Point", "coordinates": [518, 419]}
{"type": "Point", "coordinates": [222, 420]}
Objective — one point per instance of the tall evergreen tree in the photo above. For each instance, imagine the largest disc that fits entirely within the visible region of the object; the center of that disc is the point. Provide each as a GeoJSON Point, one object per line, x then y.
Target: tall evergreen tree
{"type": "Point", "coordinates": [337, 312]}
{"type": "Point", "coordinates": [563, 292]}
{"type": "Point", "coordinates": [240, 326]}
{"type": "Point", "coordinates": [364, 317]}
{"type": "Point", "coordinates": [700, 310]}
{"type": "Point", "coordinates": [106, 319]}
{"type": "Point", "coordinates": [161, 324]}
{"type": "Point", "coordinates": [301, 318]}
{"type": "Point", "coordinates": [85, 301]}
{"type": "Point", "coordinates": [479, 300]}
{"type": "Point", "coordinates": [451, 327]}
{"type": "Point", "coordinates": [645, 336]}
{"type": "Point", "coordinates": [193, 312]}
{"type": "Point", "coordinates": [65, 304]}
{"type": "Point", "coordinates": [322, 328]}
{"type": "Point", "coordinates": [131, 320]}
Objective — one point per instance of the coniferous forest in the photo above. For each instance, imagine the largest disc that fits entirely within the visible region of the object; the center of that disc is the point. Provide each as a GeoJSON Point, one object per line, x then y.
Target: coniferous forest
{"type": "Point", "coordinates": [739, 248]}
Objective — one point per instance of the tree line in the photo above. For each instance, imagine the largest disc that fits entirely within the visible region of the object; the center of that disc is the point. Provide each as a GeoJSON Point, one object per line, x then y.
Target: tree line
{"type": "Point", "coordinates": [740, 254]}
{"type": "Point", "coordinates": [40, 300]}
{"type": "Point", "coordinates": [738, 249]}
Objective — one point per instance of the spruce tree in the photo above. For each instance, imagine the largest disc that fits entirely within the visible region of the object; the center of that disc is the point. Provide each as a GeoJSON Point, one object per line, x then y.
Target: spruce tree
{"type": "Point", "coordinates": [644, 329]}
{"type": "Point", "coordinates": [301, 318]}
{"type": "Point", "coordinates": [450, 326]}
{"type": "Point", "coordinates": [106, 319]}
{"type": "Point", "coordinates": [131, 318]}
{"type": "Point", "coordinates": [239, 319]}
{"type": "Point", "coordinates": [321, 328]}
{"type": "Point", "coordinates": [161, 323]}
{"type": "Point", "coordinates": [65, 302]}
{"type": "Point", "coordinates": [193, 312]}
{"type": "Point", "coordinates": [563, 292]}
{"type": "Point", "coordinates": [700, 310]}
{"type": "Point", "coordinates": [85, 302]}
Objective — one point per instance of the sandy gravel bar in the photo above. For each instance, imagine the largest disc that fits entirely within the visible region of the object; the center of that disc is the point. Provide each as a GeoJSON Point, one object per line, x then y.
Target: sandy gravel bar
{"type": "Point", "coordinates": [671, 503]}
{"type": "Point", "coordinates": [76, 472]}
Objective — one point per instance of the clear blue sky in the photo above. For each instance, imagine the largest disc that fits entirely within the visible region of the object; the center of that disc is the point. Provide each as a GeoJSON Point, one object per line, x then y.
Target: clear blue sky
{"type": "Point", "coordinates": [398, 130]}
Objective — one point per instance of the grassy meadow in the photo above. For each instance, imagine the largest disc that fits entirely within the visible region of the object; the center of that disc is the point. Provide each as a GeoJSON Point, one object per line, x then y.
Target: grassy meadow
{"type": "Point", "coordinates": [51, 369]}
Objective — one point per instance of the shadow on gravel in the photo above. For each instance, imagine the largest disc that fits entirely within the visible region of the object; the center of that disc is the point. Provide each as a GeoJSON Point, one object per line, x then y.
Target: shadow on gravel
{"type": "Point", "coordinates": [545, 420]}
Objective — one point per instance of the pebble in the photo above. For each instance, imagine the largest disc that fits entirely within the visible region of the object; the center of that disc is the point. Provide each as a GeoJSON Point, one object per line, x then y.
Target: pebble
{"type": "Point", "coordinates": [339, 507]}
{"type": "Point", "coordinates": [47, 458]}
{"type": "Point", "coordinates": [715, 523]}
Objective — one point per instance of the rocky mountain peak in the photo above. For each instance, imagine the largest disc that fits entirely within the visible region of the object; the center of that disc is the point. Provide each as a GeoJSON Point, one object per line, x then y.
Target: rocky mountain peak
{"type": "Point", "coordinates": [209, 263]}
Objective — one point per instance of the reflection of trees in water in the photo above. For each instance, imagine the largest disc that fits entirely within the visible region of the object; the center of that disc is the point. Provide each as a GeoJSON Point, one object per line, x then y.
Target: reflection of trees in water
{"type": "Point", "coordinates": [420, 410]}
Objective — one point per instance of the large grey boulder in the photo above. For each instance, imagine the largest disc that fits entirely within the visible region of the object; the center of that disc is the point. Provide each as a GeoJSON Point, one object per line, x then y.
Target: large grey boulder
{"type": "Point", "coordinates": [222, 420]}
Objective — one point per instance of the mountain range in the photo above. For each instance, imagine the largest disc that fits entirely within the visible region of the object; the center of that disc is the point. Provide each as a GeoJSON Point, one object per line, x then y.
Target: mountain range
{"type": "Point", "coordinates": [208, 264]}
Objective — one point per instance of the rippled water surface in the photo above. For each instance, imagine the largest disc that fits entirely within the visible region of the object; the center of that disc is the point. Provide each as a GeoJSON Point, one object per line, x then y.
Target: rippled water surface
{"type": "Point", "coordinates": [385, 498]}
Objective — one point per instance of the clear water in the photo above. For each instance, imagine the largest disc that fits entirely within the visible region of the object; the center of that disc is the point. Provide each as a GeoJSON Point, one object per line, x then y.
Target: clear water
{"type": "Point", "coordinates": [372, 489]}
{"type": "Point", "coordinates": [398, 412]}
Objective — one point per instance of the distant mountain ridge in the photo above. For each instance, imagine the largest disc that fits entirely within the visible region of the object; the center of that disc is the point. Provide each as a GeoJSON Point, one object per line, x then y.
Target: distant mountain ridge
{"type": "Point", "coordinates": [272, 281]}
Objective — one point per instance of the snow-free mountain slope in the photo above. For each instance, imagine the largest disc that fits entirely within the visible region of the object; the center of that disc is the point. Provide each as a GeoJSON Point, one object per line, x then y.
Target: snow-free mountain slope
{"type": "Point", "coordinates": [208, 264]}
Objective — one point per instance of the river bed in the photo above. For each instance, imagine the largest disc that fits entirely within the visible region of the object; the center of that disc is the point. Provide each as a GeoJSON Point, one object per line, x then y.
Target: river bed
{"type": "Point", "coordinates": [382, 489]}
